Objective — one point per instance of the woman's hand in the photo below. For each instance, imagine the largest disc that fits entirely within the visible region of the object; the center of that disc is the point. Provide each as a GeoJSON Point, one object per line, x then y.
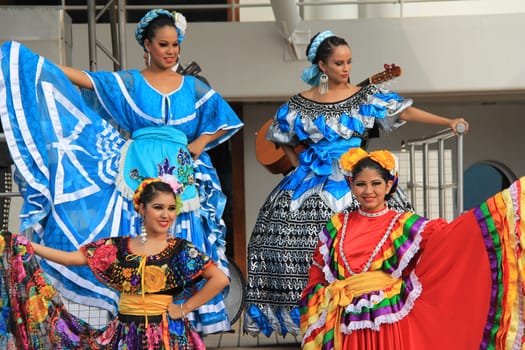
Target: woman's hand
{"type": "Point", "coordinates": [197, 147]}
{"type": "Point", "coordinates": [176, 311]}
{"type": "Point", "coordinates": [216, 281]}
{"type": "Point", "coordinates": [291, 154]}
{"type": "Point", "coordinates": [455, 123]}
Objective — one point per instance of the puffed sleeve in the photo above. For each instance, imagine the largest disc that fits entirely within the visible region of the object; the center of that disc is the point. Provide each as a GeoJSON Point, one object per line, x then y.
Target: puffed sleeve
{"type": "Point", "coordinates": [188, 263]}
{"type": "Point", "coordinates": [214, 113]}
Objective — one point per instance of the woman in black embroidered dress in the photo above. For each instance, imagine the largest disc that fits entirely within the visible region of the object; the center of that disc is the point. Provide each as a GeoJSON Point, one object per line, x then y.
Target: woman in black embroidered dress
{"type": "Point", "coordinates": [152, 272]}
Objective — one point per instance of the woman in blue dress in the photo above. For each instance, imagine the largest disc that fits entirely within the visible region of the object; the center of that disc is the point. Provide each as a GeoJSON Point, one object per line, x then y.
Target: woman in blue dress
{"type": "Point", "coordinates": [80, 156]}
{"type": "Point", "coordinates": [325, 121]}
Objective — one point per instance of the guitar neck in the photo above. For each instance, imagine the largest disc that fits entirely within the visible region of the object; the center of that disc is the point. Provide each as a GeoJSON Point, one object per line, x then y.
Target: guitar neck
{"type": "Point", "coordinates": [365, 82]}
{"type": "Point", "coordinates": [391, 71]}
{"type": "Point", "coordinates": [191, 69]}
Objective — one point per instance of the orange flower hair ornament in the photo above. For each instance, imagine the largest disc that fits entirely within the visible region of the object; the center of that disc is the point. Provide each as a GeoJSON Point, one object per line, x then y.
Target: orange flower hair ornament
{"type": "Point", "coordinates": [384, 158]}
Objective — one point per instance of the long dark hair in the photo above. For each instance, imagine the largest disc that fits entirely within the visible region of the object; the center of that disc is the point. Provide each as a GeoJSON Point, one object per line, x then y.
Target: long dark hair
{"type": "Point", "coordinates": [369, 163]}
{"type": "Point", "coordinates": [151, 190]}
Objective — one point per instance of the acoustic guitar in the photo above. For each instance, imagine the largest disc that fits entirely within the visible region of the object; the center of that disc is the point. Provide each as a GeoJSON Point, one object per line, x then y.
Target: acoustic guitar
{"type": "Point", "coordinates": [271, 155]}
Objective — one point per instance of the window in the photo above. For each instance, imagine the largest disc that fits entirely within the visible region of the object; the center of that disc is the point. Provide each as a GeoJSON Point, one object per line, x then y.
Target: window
{"type": "Point", "coordinates": [483, 180]}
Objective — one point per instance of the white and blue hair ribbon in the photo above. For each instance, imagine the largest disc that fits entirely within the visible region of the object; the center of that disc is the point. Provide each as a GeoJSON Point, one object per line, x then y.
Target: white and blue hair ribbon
{"type": "Point", "coordinates": [178, 19]}
{"type": "Point", "coordinates": [312, 74]}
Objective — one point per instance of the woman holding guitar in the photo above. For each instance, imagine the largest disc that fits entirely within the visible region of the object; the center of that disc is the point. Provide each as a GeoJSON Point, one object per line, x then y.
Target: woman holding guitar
{"type": "Point", "coordinates": [324, 122]}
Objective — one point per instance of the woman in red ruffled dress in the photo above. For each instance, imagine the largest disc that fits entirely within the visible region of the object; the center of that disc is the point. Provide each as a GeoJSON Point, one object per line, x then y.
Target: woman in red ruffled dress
{"type": "Point", "coordinates": [388, 280]}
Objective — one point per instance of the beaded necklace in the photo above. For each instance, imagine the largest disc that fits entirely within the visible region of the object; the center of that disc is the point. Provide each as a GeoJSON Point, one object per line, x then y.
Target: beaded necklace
{"type": "Point", "coordinates": [374, 214]}
{"type": "Point", "coordinates": [378, 246]}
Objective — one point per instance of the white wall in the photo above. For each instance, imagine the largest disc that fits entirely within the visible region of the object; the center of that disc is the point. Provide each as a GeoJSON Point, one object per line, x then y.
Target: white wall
{"type": "Point", "coordinates": [246, 61]}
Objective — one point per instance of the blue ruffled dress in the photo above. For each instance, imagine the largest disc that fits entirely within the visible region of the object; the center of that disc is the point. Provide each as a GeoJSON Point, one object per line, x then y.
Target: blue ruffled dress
{"type": "Point", "coordinates": [288, 224]}
{"type": "Point", "coordinates": [80, 155]}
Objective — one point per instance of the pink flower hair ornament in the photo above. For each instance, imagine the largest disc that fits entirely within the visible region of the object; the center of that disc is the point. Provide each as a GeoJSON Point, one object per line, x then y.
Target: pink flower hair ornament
{"type": "Point", "coordinates": [174, 183]}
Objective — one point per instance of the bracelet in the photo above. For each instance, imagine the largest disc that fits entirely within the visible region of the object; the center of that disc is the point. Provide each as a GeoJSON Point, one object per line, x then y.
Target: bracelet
{"type": "Point", "coordinates": [182, 312]}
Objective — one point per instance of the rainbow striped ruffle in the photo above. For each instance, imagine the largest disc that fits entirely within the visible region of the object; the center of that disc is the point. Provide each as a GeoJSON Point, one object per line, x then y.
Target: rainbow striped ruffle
{"type": "Point", "coordinates": [502, 226]}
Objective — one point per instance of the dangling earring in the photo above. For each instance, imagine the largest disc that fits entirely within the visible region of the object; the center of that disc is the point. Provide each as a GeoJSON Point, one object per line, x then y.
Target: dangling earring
{"type": "Point", "coordinates": [143, 233]}
{"type": "Point", "coordinates": [323, 84]}
{"type": "Point", "coordinates": [176, 66]}
{"type": "Point", "coordinates": [149, 59]}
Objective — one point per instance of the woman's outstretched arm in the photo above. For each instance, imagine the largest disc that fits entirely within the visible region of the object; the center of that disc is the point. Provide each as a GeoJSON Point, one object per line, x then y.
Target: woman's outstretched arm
{"type": "Point", "coordinates": [417, 115]}
{"type": "Point", "coordinates": [77, 77]}
{"type": "Point", "coordinates": [60, 256]}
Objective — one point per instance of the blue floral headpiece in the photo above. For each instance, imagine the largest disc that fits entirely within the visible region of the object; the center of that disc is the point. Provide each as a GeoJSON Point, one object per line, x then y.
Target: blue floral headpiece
{"type": "Point", "coordinates": [311, 74]}
{"type": "Point", "coordinates": [178, 19]}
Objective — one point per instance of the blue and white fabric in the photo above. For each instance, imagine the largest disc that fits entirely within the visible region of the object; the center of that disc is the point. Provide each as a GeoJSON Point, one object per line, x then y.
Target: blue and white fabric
{"type": "Point", "coordinates": [74, 165]}
{"type": "Point", "coordinates": [329, 130]}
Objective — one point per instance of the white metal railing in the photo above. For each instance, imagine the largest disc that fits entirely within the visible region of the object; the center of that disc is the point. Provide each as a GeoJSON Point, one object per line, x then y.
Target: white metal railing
{"type": "Point", "coordinates": [233, 6]}
{"type": "Point", "coordinates": [424, 146]}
